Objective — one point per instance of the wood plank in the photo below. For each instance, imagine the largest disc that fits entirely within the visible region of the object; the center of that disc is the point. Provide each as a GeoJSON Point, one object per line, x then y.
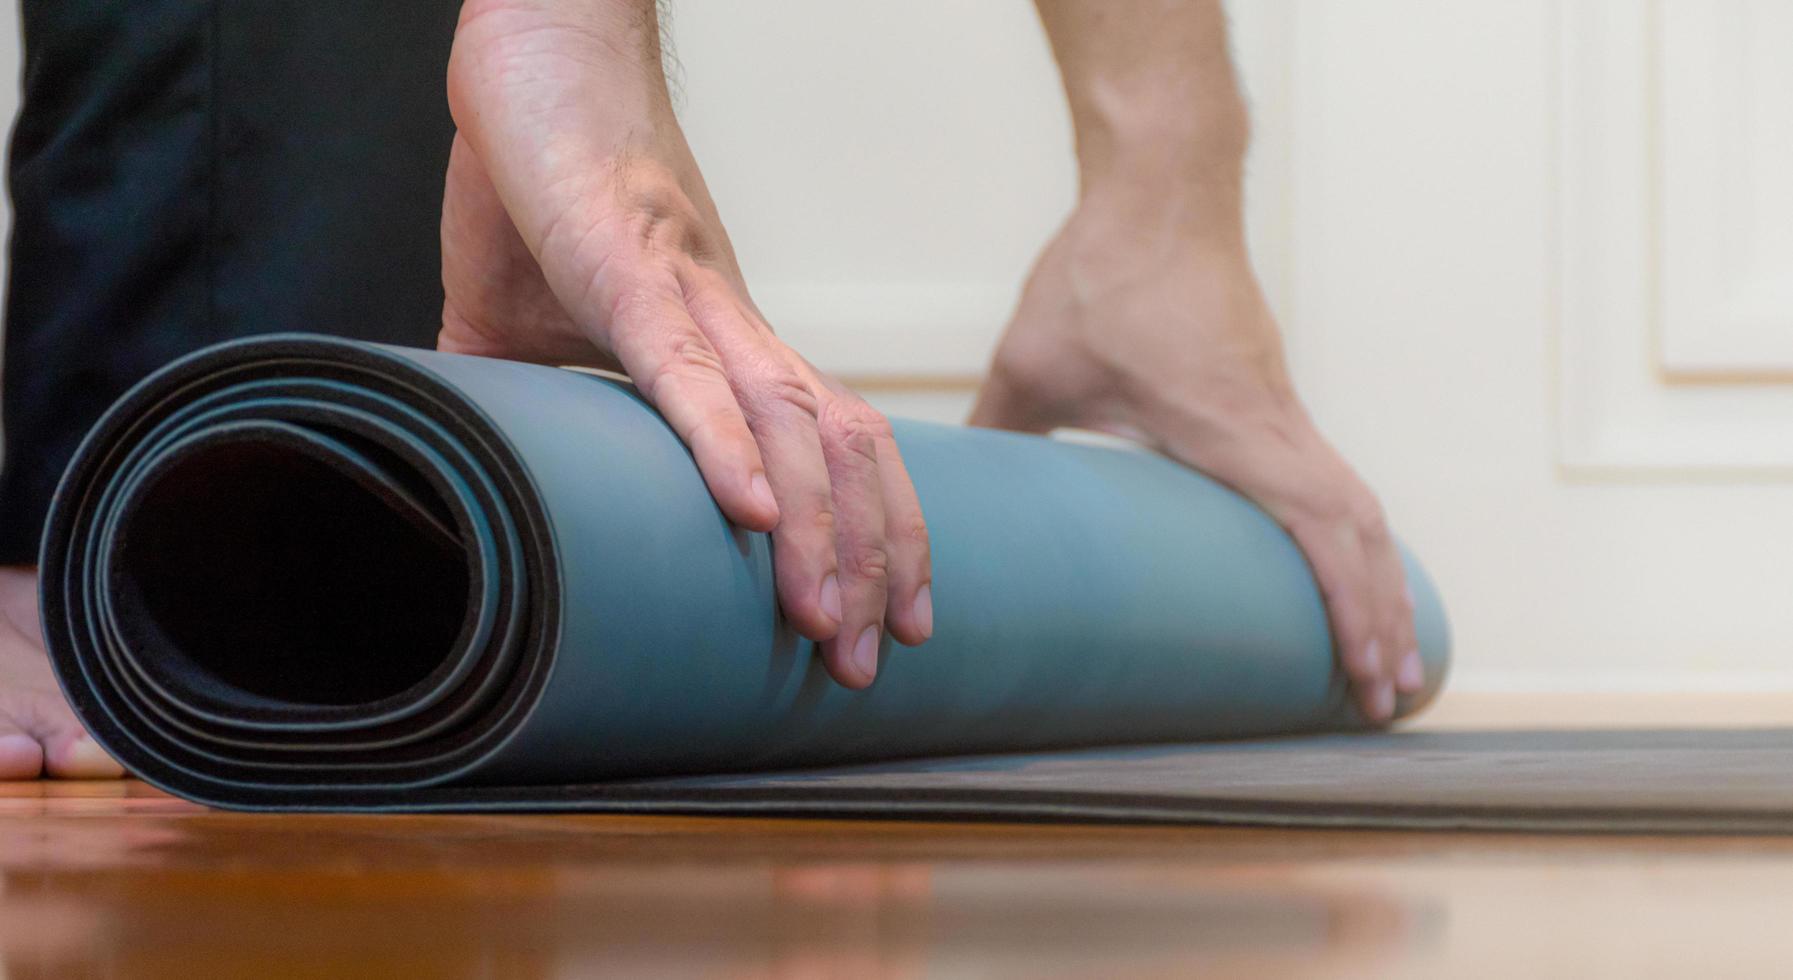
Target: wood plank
{"type": "Point", "coordinates": [118, 879]}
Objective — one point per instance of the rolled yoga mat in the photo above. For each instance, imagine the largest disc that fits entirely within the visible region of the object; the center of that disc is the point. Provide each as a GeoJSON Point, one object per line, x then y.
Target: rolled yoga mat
{"type": "Point", "coordinates": [294, 572]}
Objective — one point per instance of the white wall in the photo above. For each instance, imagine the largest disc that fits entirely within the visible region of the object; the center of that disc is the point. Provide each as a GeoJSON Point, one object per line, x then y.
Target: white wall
{"type": "Point", "coordinates": [1531, 255]}
{"type": "Point", "coordinates": [889, 171]}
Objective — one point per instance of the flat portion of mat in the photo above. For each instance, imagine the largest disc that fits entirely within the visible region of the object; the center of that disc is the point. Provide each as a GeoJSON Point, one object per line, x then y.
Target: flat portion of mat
{"type": "Point", "coordinates": [1618, 781]}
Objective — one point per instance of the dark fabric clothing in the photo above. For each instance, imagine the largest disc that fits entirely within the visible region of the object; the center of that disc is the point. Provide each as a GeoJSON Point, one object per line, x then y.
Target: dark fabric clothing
{"type": "Point", "coordinates": [187, 171]}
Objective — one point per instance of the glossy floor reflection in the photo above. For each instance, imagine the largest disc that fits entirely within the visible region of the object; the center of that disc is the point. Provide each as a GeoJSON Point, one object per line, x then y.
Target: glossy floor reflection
{"type": "Point", "coordinates": [118, 880]}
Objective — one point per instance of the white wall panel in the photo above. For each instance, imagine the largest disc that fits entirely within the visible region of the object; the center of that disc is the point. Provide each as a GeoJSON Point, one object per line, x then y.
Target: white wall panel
{"type": "Point", "coordinates": [1726, 196]}
{"type": "Point", "coordinates": [1672, 214]}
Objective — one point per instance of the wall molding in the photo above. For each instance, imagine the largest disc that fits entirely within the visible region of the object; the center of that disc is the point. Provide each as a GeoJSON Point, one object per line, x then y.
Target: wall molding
{"type": "Point", "coordinates": [1624, 412]}
{"type": "Point", "coordinates": [1724, 191]}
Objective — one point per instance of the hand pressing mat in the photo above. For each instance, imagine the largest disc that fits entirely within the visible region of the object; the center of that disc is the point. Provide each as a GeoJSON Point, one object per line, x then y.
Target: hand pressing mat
{"type": "Point", "coordinates": [302, 573]}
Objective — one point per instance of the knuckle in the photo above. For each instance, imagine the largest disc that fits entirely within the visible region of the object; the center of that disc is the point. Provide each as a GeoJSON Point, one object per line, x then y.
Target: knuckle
{"type": "Point", "coordinates": [870, 563]}
{"type": "Point", "coordinates": [1357, 660]}
{"type": "Point", "coordinates": [652, 208]}
{"type": "Point", "coordinates": [687, 357]}
{"type": "Point", "coordinates": [1371, 520]}
{"type": "Point", "coordinates": [1337, 511]}
{"type": "Point", "coordinates": [852, 425]}
{"type": "Point", "coordinates": [682, 375]}
{"type": "Point", "coordinates": [913, 531]}
{"type": "Point", "coordinates": [873, 421]}
{"type": "Point", "coordinates": [772, 390]}
{"type": "Point", "coordinates": [717, 431]}
{"type": "Point", "coordinates": [1333, 512]}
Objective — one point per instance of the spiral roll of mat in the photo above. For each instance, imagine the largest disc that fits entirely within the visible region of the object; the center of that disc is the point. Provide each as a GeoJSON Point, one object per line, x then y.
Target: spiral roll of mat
{"type": "Point", "coordinates": [298, 572]}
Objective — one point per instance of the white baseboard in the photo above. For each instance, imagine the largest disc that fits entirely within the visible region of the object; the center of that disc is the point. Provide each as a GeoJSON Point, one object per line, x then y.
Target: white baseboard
{"type": "Point", "coordinates": [1608, 682]}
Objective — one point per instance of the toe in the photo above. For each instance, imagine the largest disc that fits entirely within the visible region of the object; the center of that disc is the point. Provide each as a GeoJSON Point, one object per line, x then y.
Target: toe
{"type": "Point", "coordinates": [39, 734]}
{"type": "Point", "coordinates": [74, 755]}
{"type": "Point", "coordinates": [20, 756]}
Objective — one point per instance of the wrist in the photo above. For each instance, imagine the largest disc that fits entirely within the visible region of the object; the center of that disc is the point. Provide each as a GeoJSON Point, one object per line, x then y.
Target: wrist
{"type": "Point", "coordinates": [1127, 210]}
{"type": "Point", "coordinates": [1182, 169]}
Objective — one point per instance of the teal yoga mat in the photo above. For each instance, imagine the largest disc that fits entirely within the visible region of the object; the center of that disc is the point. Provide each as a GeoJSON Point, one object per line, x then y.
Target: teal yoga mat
{"type": "Point", "coordinates": [295, 572]}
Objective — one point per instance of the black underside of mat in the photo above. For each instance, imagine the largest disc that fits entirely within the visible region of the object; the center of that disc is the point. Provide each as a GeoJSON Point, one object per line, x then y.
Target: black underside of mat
{"type": "Point", "coordinates": [1617, 781]}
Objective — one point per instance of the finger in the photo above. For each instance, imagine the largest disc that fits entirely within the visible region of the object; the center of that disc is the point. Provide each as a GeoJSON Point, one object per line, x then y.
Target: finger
{"type": "Point", "coordinates": [680, 373]}
{"type": "Point", "coordinates": [1405, 667]}
{"type": "Point", "coordinates": [1410, 672]}
{"type": "Point", "coordinates": [1342, 572]}
{"type": "Point", "coordinates": [780, 407]}
{"type": "Point", "coordinates": [850, 432]}
{"type": "Point", "coordinates": [910, 614]}
{"type": "Point", "coordinates": [1393, 616]}
{"type": "Point", "coordinates": [1393, 619]}
{"type": "Point", "coordinates": [805, 561]}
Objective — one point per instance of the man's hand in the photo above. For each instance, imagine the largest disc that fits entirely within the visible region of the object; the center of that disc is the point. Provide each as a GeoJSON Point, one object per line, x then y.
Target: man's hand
{"type": "Point", "coordinates": [1143, 317]}
{"type": "Point", "coordinates": [1168, 341]}
{"type": "Point", "coordinates": [576, 229]}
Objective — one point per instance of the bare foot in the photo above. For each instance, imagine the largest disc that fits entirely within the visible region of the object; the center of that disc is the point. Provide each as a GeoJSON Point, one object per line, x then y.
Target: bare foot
{"type": "Point", "coordinates": [39, 735]}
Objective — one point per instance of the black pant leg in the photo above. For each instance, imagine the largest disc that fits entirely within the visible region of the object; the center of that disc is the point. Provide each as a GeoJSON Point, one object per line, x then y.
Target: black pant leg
{"type": "Point", "coordinates": [187, 171]}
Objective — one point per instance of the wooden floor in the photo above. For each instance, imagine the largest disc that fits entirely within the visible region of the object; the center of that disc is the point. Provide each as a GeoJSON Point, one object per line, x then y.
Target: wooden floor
{"type": "Point", "coordinates": [118, 880]}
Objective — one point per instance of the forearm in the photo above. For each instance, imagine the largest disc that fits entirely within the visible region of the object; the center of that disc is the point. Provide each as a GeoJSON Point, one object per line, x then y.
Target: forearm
{"type": "Point", "coordinates": [1161, 128]}
{"type": "Point", "coordinates": [576, 89]}
{"type": "Point", "coordinates": [626, 32]}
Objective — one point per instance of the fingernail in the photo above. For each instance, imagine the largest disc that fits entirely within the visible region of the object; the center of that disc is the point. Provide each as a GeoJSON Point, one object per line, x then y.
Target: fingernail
{"type": "Point", "coordinates": [924, 610]}
{"type": "Point", "coordinates": [865, 653]}
{"type": "Point", "coordinates": [831, 597]}
{"type": "Point", "coordinates": [1412, 675]}
{"type": "Point", "coordinates": [1382, 702]}
{"type": "Point", "coordinates": [762, 493]}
